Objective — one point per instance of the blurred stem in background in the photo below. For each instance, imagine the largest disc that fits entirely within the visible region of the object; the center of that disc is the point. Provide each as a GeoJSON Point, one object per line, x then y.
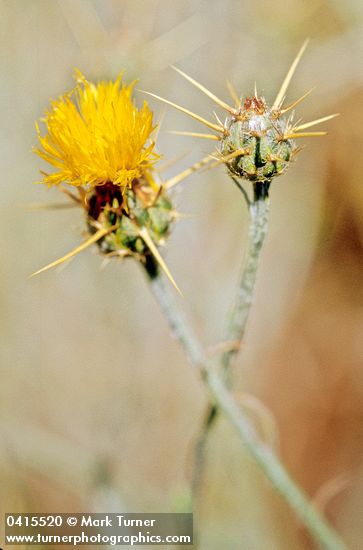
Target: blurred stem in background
{"type": "Point", "coordinates": [217, 382]}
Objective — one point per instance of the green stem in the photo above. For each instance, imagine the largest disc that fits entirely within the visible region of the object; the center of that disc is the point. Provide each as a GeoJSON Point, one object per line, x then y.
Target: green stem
{"type": "Point", "coordinates": [269, 463]}
{"type": "Point", "coordinates": [200, 450]}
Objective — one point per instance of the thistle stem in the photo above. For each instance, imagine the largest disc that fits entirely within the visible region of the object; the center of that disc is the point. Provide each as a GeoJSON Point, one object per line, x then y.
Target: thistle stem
{"type": "Point", "coordinates": [274, 470]}
{"type": "Point", "coordinates": [177, 321]}
{"type": "Point", "coordinates": [258, 210]}
{"type": "Point", "coordinates": [264, 457]}
{"type": "Point", "coordinates": [258, 224]}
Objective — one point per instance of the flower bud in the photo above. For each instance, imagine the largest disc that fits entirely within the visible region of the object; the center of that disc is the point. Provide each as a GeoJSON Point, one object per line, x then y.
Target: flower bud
{"type": "Point", "coordinates": [258, 133]}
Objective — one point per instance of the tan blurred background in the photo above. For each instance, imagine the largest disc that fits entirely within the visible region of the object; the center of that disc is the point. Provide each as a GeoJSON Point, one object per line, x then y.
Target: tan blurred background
{"type": "Point", "coordinates": [99, 410]}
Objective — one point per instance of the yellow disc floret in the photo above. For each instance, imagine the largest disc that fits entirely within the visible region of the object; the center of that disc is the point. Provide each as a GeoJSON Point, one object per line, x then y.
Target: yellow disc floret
{"type": "Point", "coordinates": [96, 134]}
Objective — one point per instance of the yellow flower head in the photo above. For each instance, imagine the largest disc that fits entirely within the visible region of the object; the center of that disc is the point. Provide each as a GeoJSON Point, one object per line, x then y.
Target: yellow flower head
{"type": "Point", "coordinates": [99, 141]}
{"type": "Point", "coordinates": [96, 134]}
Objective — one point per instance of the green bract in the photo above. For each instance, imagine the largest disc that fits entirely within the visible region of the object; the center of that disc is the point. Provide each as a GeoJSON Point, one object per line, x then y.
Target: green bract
{"type": "Point", "coordinates": [138, 211]}
{"type": "Point", "coordinates": [259, 136]}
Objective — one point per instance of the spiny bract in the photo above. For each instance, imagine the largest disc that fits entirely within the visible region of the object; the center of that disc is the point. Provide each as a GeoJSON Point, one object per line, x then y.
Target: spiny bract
{"type": "Point", "coordinates": [256, 140]}
{"type": "Point", "coordinates": [258, 134]}
{"type": "Point", "coordinates": [98, 141]}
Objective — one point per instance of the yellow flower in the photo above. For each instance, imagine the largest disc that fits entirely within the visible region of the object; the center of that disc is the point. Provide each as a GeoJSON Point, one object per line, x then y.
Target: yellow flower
{"type": "Point", "coordinates": [99, 141]}
{"type": "Point", "coordinates": [96, 134]}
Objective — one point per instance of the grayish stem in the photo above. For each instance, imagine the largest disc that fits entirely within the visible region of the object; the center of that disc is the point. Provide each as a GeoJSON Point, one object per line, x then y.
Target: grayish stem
{"type": "Point", "coordinates": [258, 224]}
{"type": "Point", "coordinates": [177, 321]}
{"type": "Point", "coordinates": [259, 451]}
{"type": "Point", "coordinates": [259, 211]}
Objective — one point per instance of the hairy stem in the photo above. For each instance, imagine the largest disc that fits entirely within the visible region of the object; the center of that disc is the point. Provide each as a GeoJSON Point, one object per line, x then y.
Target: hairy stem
{"type": "Point", "coordinates": [258, 210]}
{"type": "Point", "coordinates": [264, 457]}
{"type": "Point", "coordinates": [258, 224]}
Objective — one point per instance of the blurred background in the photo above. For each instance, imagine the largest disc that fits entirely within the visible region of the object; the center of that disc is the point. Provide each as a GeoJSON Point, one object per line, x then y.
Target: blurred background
{"type": "Point", "coordinates": [99, 410]}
